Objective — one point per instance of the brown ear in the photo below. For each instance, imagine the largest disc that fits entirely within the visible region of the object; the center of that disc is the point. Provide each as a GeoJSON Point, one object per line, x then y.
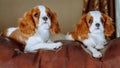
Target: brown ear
{"type": "Point", "coordinates": [26, 23]}
{"type": "Point", "coordinates": [82, 28]}
{"type": "Point", "coordinates": [108, 25]}
{"type": "Point", "coordinates": [54, 28]}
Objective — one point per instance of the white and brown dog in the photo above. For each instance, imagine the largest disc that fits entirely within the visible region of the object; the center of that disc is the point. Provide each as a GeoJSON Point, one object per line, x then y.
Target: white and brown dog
{"type": "Point", "coordinates": [91, 30]}
{"type": "Point", "coordinates": [34, 29]}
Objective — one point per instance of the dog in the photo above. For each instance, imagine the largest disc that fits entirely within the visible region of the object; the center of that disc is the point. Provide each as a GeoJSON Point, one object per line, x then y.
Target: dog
{"type": "Point", "coordinates": [34, 29]}
{"type": "Point", "coordinates": [92, 30]}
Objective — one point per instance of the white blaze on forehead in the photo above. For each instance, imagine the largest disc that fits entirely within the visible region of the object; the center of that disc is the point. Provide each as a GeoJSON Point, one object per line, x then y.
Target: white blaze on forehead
{"type": "Point", "coordinates": [42, 10]}
{"type": "Point", "coordinates": [95, 14]}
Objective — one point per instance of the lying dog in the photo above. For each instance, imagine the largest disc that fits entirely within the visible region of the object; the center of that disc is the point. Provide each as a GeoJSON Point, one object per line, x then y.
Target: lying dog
{"type": "Point", "coordinates": [91, 31]}
{"type": "Point", "coordinates": [34, 29]}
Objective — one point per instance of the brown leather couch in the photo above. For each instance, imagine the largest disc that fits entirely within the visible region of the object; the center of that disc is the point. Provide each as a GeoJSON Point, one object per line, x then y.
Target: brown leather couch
{"type": "Point", "coordinates": [71, 55]}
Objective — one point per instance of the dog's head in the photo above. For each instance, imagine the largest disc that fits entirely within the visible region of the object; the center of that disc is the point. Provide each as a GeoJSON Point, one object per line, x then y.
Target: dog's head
{"type": "Point", "coordinates": [93, 22]}
{"type": "Point", "coordinates": [39, 18]}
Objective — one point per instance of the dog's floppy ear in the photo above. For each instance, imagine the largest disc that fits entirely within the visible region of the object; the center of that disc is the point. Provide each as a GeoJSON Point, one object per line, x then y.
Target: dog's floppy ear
{"type": "Point", "coordinates": [26, 23]}
{"type": "Point", "coordinates": [82, 27]}
{"type": "Point", "coordinates": [108, 25]}
{"type": "Point", "coordinates": [54, 28]}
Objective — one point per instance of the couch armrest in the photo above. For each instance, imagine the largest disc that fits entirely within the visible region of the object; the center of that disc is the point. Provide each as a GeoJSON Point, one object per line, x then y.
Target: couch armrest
{"type": "Point", "coordinates": [70, 55]}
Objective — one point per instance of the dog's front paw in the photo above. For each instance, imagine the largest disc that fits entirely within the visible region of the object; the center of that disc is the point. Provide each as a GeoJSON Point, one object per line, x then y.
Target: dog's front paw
{"type": "Point", "coordinates": [54, 46]}
{"type": "Point", "coordinates": [57, 45]}
{"type": "Point", "coordinates": [97, 55]}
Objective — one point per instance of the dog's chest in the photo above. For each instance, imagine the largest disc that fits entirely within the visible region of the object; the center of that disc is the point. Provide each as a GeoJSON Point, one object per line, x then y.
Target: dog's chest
{"type": "Point", "coordinates": [45, 35]}
{"type": "Point", "coordinates": [98, 38]}
{"type": "Point", "coordinates": [41, 36]}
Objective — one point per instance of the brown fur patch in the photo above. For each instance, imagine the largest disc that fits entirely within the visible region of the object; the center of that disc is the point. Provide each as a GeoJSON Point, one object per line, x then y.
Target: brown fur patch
{"type": "Point", "coordinates": [28, 23]}
{"type": "Point", "coordinates": [19, 36]}
{"type": "Point", "coordinates": [4, 33]}
{"type": "Point", "coordinates": [108, 25]}
{"type": "Point", "coordinates": [82, 28]}
{"type": "Point", "coordinates": [54, 28]}
{"type": "Point", "coordinates": [89, 19]}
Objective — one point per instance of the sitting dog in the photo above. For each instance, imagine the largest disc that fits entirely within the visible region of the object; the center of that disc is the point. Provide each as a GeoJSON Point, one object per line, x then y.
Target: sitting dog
{"type": "Point", "coordinates": [91, 31]}
{"type": "Point", "coordinates": [34, 29]}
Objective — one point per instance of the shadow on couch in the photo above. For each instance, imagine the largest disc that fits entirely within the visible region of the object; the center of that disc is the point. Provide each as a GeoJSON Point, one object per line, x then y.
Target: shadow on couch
{"type": "Point", "coordinates": [71, 55]}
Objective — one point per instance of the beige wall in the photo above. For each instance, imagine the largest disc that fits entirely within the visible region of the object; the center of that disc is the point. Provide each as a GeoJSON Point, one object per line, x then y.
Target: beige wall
{"type": "Point", "coordinates": [68, 11]}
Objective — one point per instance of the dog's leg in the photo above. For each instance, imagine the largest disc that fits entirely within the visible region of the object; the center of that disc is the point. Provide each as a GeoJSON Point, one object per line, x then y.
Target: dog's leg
{"type": "Point", "coordinates": [99, 46]}
{"type": "Point", "coordinates": [100, 43]}
{"type": "Point", "coordinates": [47, 46]}
{"type": "Point", "coordinates": [95, 53]}
{"type": "Point", "coordinates": [89, 42]}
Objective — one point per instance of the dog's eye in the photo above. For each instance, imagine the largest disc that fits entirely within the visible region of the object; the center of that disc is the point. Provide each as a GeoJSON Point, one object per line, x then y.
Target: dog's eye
{"type": "Point", "coordinates": [36, 15]}
{"type": "Point", "coordinates": [102, 20]}
{"type": "Point", "coordinates": [48, 15]}
{"type": "Point", "coordinates": [90, 21]}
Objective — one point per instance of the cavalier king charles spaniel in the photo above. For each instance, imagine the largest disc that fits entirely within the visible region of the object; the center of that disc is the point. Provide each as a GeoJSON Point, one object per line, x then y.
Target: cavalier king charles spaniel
{"type": "Point", "coordinates": [92, 30]}
{"type": "Point", "coordinates": [34, 29]}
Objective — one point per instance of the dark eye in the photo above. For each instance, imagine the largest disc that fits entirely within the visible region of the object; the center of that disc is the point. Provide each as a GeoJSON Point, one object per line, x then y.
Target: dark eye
{"type": "Point", "coordinates": [36, 15]}
{"type": "Point", "coordinates": [102, 20]}
{"type": "Point", "coordinates": [48, 15]}
{"type": "Point", "coordinates": [90, 21]}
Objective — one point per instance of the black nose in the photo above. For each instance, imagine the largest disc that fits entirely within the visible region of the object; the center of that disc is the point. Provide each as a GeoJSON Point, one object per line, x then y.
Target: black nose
{"type": "Point", "coordinates": [45, 18]}
{"type": "Point", "coordinates": [97, 24]}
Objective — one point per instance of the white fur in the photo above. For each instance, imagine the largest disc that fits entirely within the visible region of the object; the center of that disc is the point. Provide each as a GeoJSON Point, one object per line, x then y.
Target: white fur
{"type": "Point", "coordinates": [69, 37]}
{"type": "Point", "coordinates": [10, 30]}
{"type": "Point", "coordinates": [40, 40]}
